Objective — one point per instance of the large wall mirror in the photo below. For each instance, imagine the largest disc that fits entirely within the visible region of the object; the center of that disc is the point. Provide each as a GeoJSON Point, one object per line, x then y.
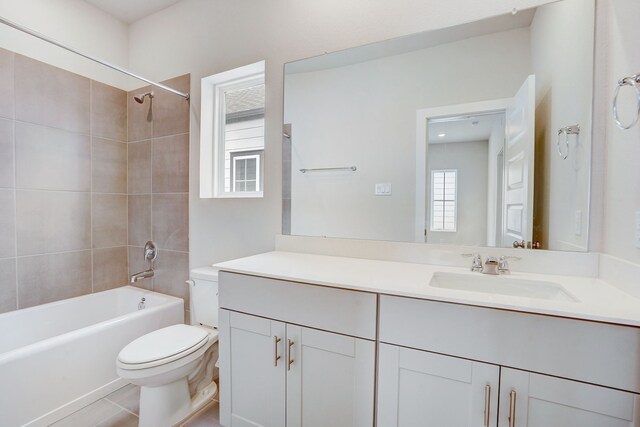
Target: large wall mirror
{"type": "Point", "coordinates": [479, 134]}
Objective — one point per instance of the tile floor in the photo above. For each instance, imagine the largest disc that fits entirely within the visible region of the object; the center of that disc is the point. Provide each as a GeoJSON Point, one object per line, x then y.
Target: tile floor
{"type": "Point", "coordinates": [120, 409]}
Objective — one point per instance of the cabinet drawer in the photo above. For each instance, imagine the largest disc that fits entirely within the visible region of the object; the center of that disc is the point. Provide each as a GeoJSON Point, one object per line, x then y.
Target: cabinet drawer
{"type": "Point", "coordinates": [336, 310]}
{"type": "Point", "coordinates": [592, 352]}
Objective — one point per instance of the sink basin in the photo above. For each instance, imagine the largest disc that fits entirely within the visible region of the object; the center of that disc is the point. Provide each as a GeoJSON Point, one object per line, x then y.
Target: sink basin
{"type": "Point", "coordinates": [503, 285]}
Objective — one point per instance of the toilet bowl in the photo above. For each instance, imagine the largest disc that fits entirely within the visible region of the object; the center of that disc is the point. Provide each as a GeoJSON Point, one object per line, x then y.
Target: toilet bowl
{"type": "Point", "coordinates": [173, 366]}
{"type": "Point", "coordinates": [161, 363]}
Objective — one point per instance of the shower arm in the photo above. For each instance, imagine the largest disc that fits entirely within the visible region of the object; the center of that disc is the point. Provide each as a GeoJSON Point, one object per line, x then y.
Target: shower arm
{"type": "Point", "coordinates": [89, 57]}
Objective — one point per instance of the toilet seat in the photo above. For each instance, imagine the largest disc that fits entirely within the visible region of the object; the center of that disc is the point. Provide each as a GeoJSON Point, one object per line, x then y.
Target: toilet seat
{"type": "Point", "coordinates": [162, 346]}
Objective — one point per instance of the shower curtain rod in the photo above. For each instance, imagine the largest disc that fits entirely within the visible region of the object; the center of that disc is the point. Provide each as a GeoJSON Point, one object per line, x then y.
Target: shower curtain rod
{"type": "Point", "coordinates": [89, 57]}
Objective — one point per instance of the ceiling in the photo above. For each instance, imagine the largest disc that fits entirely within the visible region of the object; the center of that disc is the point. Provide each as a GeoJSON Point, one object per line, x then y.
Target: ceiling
{"type": "Point", "coordinates": [465, 129]}
{"type": "Point", "coordinates": [129, 11]}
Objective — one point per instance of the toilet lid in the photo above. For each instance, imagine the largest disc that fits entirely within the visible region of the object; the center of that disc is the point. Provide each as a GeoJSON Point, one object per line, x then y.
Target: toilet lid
{"type": "Point", "coordinates": [163, 343]}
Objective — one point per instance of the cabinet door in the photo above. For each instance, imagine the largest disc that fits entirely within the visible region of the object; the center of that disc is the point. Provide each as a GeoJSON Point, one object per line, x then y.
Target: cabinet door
{"type": "Point", "coordinates": [252, 379]}
{"type": "Point", "coordinates": [330, 379]}
{"type": "Point", "coordinates": [418, 388]}
{"type": "Point", "coordinates": [543, 401]}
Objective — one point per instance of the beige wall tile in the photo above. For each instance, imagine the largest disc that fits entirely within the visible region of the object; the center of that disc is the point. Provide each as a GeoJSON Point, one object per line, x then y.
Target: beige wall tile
{"type": "Point", "coordinates": [6, 153]}
{"type": "Point", "coordinates": [52, 159]}
{"type": "Point", "coordinates": [51, 96]}
{"type": "Point", "coordinates": [139, 126]}
{"type": "Point", "coordinates": [109, 220]}
{"type": "Point", "coordinates": [139, 167]}
{"type": "Point", "coordinates": [171, 274]}
{"type": "Point", "coordinates": [7, 224]}
{"type": "Point", "coordinates": [110, 268]}
{"type": "Point", "coordinates": [137, 263]}
{"type": "Point", "coordinates": [139, 220]}
{"type": "Point", "coordinates": [47, 278]}
{"type": "Point", "coordinates": [170, 164]}
{"type": "Point", "coordinates": [6, 83]}
{"type": "Point", "coordinates": [52, 221]}
{"type": "Point", "coordinates": [108, 112]}
{"type": "Point", "coordinates": [8, 299]}
{"type": "Point", "coordinates": [170, 225]}
{"type": "Point", "coordinates": [170, 111]}
{"type": "Point", "coordinates": [109, 166]}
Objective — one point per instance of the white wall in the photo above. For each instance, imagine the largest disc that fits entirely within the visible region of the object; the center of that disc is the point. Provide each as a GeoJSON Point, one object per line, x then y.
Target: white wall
{"type": "Point", "coordinates": [73, 22]}
{"type": "Point", "coordinates": [364, 115]}
{"type": "Point", "coordinates": [470, 159]}
{"type": "Point", "coordinates": [562, 57]}
{"type": "Point", "coordinates": [620, 34]}
{"type": "Point", "coordinates": [204, 37]}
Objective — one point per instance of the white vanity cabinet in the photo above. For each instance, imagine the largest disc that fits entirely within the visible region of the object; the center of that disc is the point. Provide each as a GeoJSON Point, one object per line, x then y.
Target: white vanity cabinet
{"type": "Point", "coordinates": [478, 341]}
{"type": "Point", "coordinates": [536, 400]}
{"type": "Point", "coordinates": [294, 354]}
{"type": "Point", "coordinates": [252, 380]}
{"type": "Point", "coordinates": [418, 388]}
{"type": "Point", "coordinates": [275, 371]}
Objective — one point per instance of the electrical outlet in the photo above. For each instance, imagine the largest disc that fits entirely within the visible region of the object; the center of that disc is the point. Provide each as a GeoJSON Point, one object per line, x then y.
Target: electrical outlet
{"type": "Point", "coordinates": [638, 229]}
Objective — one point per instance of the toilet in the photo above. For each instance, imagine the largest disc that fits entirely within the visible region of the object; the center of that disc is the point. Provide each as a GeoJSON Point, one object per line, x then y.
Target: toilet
{"type": "Point", "coordinates": [174, 365]}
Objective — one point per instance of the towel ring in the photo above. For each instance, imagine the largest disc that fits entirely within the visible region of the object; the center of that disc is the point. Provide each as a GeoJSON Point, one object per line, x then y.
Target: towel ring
{"type": "Point", "coordinates": [633, 81]}
{"type": "Point", "coordinates": [567, 130]}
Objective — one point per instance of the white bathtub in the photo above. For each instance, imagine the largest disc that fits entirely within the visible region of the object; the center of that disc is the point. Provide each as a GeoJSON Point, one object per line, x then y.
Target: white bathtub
{"type": "Point", "coordinates": [56, 358]}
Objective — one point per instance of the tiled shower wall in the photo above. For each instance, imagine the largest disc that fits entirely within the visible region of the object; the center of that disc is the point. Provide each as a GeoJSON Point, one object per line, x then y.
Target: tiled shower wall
{"type": "Point", "coordinates": [158, 187]}
{"type": "Point", "coordinates": [63, 203]}
{"type": "Point", "coordinates": [63, 185]}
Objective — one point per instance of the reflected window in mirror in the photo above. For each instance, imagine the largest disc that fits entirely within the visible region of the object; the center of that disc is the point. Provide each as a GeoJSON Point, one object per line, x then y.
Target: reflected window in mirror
{"type": "Point", "coordinates": [443, 200]}
{"type": "Point", "coordinates": [232, 133]}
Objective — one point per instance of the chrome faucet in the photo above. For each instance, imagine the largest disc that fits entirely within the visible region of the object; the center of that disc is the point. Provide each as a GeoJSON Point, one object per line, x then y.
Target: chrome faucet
{"type": "Point", "coordinates": [476, 263]}
{"type": "Point", "coordinates": [490, 266]}
{"type": "Point", "coordinates": [150, 255]}
{"type": "Point", "coordinates": [503, 265]}
{"type": "Point", "coordinates": [142, 275]}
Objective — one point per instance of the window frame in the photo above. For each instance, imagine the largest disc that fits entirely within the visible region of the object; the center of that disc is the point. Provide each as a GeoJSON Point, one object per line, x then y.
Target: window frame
{"type": "Point", "coordinates": [244, 155]}
{"type": "Point", "coordinates": [220, 131]}
{"type": "Point", "coordinates": [212, 125]}
{"type": "Point", "coordinates": [433, 201]}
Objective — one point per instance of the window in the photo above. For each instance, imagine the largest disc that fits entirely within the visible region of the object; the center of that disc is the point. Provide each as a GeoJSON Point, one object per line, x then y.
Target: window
{"type": "Point", "coordinates": [245, 170]}
{"type": "Point", "coordinates": [443, 200]}
{"type": "Point", "coordinates": [232, 133]}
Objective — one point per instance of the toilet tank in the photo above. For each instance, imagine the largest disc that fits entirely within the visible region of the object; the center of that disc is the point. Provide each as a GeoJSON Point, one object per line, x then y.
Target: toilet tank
{"type": "Point", "coordinates": [203, 292]}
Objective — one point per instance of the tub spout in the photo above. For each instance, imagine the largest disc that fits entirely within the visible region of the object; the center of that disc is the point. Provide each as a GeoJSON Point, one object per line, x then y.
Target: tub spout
{"type": "Point", "coordinates": [142, 275]}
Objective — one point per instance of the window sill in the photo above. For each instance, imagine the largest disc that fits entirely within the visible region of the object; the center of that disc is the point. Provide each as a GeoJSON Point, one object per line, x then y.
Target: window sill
{"type": "Point", "coordinates": [245, 195]}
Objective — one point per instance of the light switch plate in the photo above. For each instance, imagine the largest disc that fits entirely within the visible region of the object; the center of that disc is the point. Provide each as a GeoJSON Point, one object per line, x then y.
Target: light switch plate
{"type": "Point", "coordinates": [383, 189]}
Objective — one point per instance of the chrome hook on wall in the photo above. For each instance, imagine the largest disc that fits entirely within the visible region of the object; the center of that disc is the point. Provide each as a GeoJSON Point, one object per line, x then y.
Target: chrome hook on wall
{"type": "Point", "coordinates": [633, 81]}
{"type": "Point", "coordinates": [567, 130]}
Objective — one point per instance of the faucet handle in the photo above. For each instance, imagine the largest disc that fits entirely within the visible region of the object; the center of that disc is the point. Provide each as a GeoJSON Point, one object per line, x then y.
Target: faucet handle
{"type": "Point", "coordinates": [476, 264]}
{"type": "Point", "coordinates": [503, 265]}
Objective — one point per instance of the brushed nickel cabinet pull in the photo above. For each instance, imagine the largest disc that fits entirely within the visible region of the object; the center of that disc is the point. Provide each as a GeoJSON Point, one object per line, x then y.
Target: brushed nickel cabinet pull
{"type": "Point", "coordinates": [289, 359]}
{"type": "Point", "coordinates": [276, 341]}
{"type": "Point", "coordinates": [512, 408]}
{"type": "Point", "coordinates": [487, 405]}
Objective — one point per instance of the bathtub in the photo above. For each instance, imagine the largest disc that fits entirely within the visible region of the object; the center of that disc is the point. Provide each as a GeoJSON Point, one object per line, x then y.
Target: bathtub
{"type": "Point", "coordinates": [57, 358]}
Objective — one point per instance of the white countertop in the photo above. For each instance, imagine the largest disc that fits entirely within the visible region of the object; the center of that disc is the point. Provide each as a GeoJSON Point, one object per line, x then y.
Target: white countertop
{"type": "Point", "coordinates": [598, 300]}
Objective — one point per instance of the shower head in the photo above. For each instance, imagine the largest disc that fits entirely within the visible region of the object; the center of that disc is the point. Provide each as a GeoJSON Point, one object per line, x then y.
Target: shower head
{"type": "Point", "coordinates": [140, 98]}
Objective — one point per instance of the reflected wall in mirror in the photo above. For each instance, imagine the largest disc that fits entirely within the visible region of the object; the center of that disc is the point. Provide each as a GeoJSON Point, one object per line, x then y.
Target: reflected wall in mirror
{"type": "Point", "coordinates": [450, 136]}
